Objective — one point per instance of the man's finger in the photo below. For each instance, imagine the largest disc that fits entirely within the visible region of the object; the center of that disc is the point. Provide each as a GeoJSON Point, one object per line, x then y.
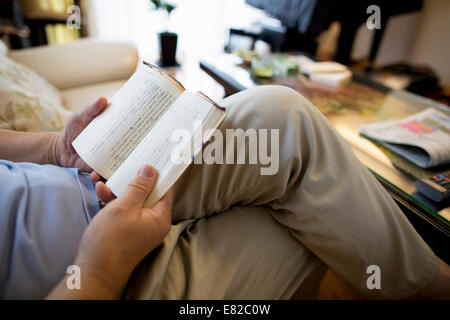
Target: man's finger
{"type": "Point", "coordinates": [92, 110]}
{"type": "Point", "coordinates": [103, 192]}
{"type": "Point", "coordinates": [97, 107]}
{"type": "Point", "coordinates": [94, 176]}
{"type": "Point", "coordinates": [141, 186]}
{"type": "Point", "coordinates": [165, 203]}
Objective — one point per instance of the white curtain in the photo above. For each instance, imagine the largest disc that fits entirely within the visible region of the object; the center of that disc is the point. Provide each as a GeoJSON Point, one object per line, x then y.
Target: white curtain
{"type": "Point", "coordinates": [201, 25]}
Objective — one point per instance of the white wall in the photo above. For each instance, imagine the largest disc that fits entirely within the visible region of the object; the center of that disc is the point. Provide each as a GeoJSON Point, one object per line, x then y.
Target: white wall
{"type": "Point", "coordinates": [420, 38]}
{"type": "Point", "coordinates": [399, 38]}
{"type": "Point", "coordinates": [432, 42]}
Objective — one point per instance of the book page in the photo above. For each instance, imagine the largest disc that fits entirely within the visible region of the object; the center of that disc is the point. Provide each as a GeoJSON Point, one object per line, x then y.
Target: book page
{"type": "Point", "coordinates": [108, 140]}
{"type": "Point", "coordinates": [187, 113]}
{"type": "Point", "coordinates": [423, 138]}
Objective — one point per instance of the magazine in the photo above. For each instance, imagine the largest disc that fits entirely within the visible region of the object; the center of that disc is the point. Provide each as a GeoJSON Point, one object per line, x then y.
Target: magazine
{"type": "Point", "coordinates": [423, 138]}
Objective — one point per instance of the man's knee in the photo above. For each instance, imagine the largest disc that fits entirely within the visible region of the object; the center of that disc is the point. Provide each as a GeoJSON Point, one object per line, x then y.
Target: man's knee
{"type": "Point", "coordinates": [266, 107]}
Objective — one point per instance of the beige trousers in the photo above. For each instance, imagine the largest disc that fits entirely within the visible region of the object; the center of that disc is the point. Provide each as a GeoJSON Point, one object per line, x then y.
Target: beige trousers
{"type": "Point", "coordinates": [238, 234]}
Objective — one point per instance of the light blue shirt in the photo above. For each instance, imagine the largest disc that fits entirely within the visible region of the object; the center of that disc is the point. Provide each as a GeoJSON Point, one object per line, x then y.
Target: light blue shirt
{"type": "Point", "coordinates": [44, 211]}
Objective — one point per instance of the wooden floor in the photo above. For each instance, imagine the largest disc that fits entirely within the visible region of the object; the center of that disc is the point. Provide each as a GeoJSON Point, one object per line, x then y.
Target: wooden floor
{"type": "Point", "coordinates": [333, 287]}
{"type": "Point", "coordinates": [325, 284]}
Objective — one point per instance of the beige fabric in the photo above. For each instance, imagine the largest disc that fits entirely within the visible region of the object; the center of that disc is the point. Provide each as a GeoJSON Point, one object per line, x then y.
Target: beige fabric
{"type": "Point", "coordinates": [76, 98]}
{"type": "Point", "coordinates": [17, 74]}
{"type": "Point", "coordinates": [35, 104]}
{"type": "Point", "coordinates": [27, 101]}
{"type": "Point", "coordinates": [79, 63]}
{"type": "Point", "coordinates": [3, 48]}
{"type": "Point", "coordinates": [234, 255]}
{"type": "Point", "coordinates": [240, 235]}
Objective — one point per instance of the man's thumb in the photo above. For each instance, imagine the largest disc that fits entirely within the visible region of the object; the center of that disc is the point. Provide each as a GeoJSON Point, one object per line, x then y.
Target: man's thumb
{"type": "Point", "coordinates": [141, 186]}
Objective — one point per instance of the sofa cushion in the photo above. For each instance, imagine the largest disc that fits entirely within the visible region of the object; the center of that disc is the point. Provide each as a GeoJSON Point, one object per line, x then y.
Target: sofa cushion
{"type": "Point", "coordinates": [76, 98]}
{"type": "Point", "coordinates": [81, 62]}
{"type": "Point", "coordinates": [27, 101]}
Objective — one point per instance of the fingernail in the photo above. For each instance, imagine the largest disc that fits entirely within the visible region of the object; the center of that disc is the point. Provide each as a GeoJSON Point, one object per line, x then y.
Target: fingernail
{"type": "Point", "coordinates": [147, 171]}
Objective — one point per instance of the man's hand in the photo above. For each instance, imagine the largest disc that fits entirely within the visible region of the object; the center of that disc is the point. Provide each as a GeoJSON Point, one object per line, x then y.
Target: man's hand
{"type": "Point", "coordinates": [50, 147]}
{"type": "Point", "coordinates": [118, 238]}
{"type": "Point", "coordinates": [64, 154]}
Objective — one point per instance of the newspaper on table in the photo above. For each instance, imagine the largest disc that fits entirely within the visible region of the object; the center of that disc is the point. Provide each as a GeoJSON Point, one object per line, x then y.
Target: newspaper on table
{"type": "Point", "coordinates": [423, 138]}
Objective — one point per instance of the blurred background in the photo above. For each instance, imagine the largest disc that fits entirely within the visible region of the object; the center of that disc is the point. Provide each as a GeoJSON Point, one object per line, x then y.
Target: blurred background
{"type": "Point", "coordinates": [413, 33]}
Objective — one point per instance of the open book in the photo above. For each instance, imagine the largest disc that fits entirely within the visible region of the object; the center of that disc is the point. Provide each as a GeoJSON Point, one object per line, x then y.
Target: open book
{"type": "Point", "coordinates": [137, 128]}
{"type": "Point", "coordinates": [423, 138]}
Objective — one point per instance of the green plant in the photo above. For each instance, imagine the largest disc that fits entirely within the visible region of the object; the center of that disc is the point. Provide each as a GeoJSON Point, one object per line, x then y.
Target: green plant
{"type": "Point", "coordinates": [163, 5]}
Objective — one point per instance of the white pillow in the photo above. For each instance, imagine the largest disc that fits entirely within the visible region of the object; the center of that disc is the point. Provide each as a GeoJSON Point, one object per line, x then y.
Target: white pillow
{"type": "Point", "coordinates": [27, 101]}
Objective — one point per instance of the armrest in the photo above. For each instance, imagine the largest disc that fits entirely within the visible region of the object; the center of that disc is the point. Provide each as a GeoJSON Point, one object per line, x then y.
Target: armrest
{"type": "Point", "coordinates": [79, 63]}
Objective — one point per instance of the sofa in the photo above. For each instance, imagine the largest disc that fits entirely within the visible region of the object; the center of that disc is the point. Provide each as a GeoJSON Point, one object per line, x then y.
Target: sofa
{"type": "Point", "coordinates": [37, 83]}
